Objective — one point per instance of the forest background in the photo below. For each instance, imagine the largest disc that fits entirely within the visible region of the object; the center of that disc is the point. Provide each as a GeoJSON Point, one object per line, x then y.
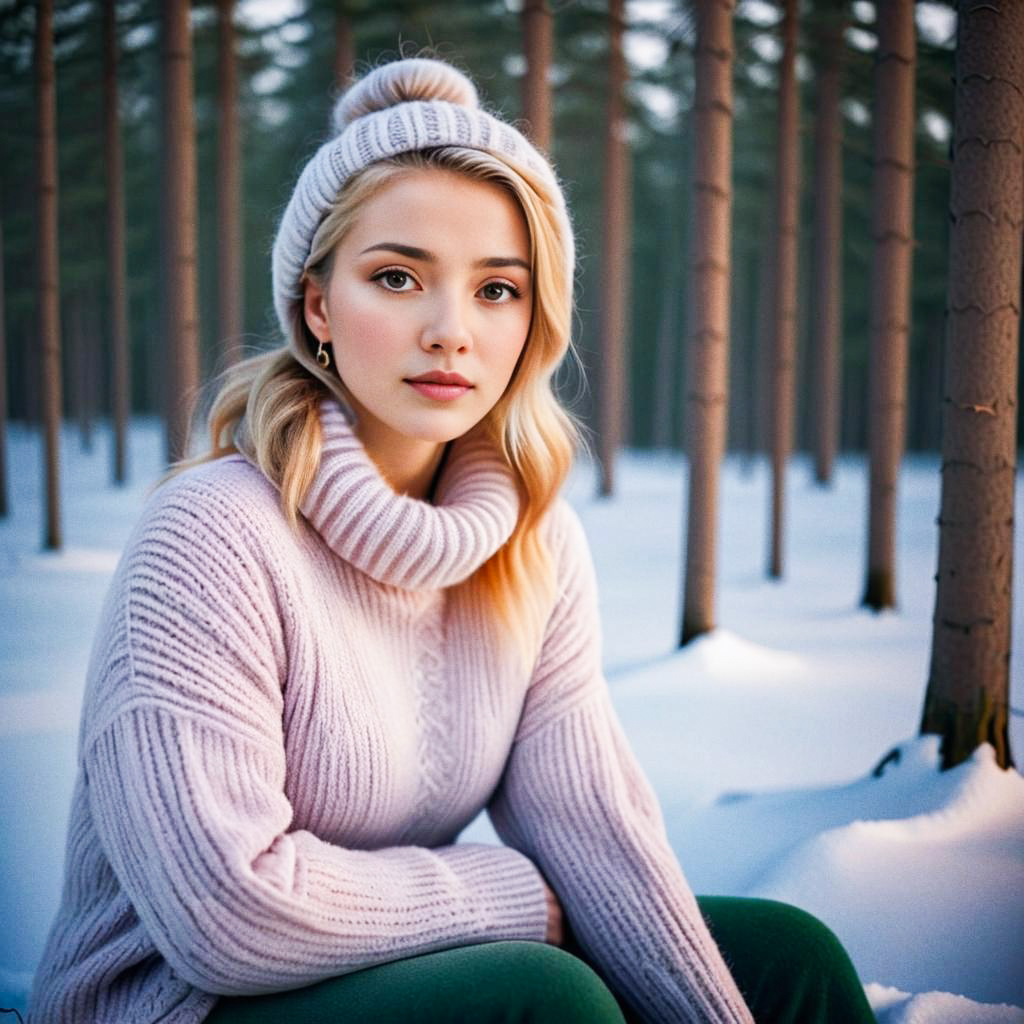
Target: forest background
{"type": "Point", "coordinates": [287, 57]}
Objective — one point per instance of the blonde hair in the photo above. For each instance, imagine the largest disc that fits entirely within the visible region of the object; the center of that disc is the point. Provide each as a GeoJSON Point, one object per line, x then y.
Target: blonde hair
{"type": "Point", "coordinates": [267, 405]}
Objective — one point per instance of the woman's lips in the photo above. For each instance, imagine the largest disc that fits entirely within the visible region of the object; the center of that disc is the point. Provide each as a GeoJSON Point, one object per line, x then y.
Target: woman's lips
{"type": "Point", "coordinates": [440, 385]}
{"type": "Point", "coordinates": [439, 392]}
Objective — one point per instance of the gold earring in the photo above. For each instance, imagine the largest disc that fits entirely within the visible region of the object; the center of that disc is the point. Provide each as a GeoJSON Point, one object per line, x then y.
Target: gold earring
{"type": "Point", "coordinates": [323, 357]}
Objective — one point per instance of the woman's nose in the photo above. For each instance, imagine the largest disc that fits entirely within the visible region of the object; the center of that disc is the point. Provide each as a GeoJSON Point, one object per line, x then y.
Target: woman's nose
{"type": "Point", "coordinates": [447, 329]}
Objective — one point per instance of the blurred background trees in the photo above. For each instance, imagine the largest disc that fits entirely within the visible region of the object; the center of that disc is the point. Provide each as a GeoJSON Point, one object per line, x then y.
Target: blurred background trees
{"type": "Point", "coordinates": [287, 57]}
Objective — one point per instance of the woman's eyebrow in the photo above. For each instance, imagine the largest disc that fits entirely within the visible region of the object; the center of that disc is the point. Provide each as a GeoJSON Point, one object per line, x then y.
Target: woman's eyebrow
{"type": "Point", "coordinates": [413, 252]}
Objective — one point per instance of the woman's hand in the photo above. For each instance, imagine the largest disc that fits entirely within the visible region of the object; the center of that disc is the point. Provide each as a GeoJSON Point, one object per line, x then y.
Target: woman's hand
{"type": "Point", "coordinates": [556, 925]}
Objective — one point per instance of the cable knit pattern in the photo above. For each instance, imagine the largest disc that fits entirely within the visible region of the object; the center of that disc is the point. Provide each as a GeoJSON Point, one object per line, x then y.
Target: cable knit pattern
{"type": "Point", "coordinates": [284, 732]}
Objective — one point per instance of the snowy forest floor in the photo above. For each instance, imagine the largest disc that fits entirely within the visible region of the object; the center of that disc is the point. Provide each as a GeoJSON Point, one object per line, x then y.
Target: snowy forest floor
{"type": "Point", "coordinates": [759, 739]}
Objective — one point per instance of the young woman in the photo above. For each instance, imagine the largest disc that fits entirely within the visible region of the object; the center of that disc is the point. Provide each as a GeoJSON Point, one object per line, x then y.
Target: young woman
{"type": "Point", "coordinates": [366, 615]}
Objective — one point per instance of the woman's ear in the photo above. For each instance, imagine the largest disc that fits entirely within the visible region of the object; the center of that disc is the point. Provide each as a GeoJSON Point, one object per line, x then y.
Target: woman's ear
{"type": "Point", "coordinates": [314, 310]}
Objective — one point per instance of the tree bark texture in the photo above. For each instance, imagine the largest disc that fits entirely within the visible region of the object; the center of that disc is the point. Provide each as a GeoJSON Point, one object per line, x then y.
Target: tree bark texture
{"type": "Point", "coordinates": [787, 184]}
{"type": "Point", "coordinates": [4, 504]}
{"type": "Point", "coordinates": [538, 32]}
{"type": "Point", "coordinates": [826, 267]}
{"type": "Point", "coordinates": [614, 264]}
{"type": "Point", "coordinates": [48, 267]}
{"type": "Point", "coordinates": [179, 301]}
{"type": "Point", "coordinates": [892, 230]}
{"type": "Point", "coordinates": [119, 349]}
{"type": "Point", "coordinates": [229, 188]}
{"type": "Point", "coordinates": [707, 396]}
{"type": "Point", "coordinates": [967, 699]}
{"type": "Point", "coordinates": [344, 48]}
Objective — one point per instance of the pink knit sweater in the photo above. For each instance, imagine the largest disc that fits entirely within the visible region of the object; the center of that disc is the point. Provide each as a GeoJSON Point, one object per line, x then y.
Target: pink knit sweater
{"type": "Point", "coordinates": [284, 733]}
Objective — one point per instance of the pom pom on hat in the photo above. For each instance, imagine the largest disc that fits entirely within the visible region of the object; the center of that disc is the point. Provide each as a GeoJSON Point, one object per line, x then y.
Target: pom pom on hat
{"type": "Point", "coordinates": [403, 81]}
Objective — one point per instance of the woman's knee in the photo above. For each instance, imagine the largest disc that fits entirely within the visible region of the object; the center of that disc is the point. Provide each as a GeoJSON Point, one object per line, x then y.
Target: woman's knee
{"type": "Point", "coordinates": [808, 936]}
{"type": "Point", "coordinates": [545, 983]}
{"type": "Point", "coordinates": [788, 963]}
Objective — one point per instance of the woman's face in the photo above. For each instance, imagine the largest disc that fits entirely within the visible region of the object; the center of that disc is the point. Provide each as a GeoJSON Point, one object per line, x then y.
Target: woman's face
{"type": "Point", "coordinates": [427, 306]}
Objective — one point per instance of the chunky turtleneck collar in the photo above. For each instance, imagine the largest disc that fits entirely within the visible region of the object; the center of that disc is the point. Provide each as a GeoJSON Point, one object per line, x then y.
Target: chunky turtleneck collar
{"type": "Point", "coordinates": [402, 541]}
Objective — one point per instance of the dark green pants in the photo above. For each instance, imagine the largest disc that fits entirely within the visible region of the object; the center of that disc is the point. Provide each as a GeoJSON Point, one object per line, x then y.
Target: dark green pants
{"type": "Point", "coordinates": [790, 968]}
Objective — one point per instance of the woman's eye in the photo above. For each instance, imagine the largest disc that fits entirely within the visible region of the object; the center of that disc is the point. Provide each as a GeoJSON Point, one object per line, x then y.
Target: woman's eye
{"type": "Point", "coordinates": [499, 291]}
{"type": "Point", "coordinates": [394, 280]}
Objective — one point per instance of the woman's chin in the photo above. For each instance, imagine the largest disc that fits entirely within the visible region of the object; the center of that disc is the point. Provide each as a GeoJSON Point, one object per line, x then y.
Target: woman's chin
{"type": "Point", "coordinates": [437, 427]}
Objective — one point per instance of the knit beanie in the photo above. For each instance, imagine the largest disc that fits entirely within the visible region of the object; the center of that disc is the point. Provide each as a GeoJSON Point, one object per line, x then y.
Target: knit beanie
{"type": "Point", "coordinates": [410, 104]}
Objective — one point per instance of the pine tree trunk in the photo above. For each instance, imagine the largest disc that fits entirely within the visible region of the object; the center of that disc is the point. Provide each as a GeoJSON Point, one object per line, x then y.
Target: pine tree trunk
{"type": "Point", "coordinates": [707, 399]}
{"type": "Point", "coordinates": [46, 248]}
{"type": "Point", "coordinates": [4, 504]}
{"type": "Point", "coordinates": [229, 188]}
{"type": "Point", "coordinates": [344, 48]}
{"type": "Point", "coordinates": [538, 30]}
{"type": "Point", "coordinates": [121, 384]}
{"type": "Point", "coordinates": [626, 199]}
{"type": "Point", "coordinates": [826, 267]}
{"type": "Point", "coordinates": [967, 699]}
{"type": "Point", "coordinates": [892, 226]}
{"type": "Point", "coordinates": [613, 267]}
{"type": "Point", "coordinates": [179, 302]}
{"type": "Point", "coordinates": [785, 272]}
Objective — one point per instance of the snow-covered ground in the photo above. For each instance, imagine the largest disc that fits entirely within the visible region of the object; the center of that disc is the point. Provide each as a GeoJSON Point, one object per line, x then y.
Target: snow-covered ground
{"type": "Point", "coordinates": [759, 739]}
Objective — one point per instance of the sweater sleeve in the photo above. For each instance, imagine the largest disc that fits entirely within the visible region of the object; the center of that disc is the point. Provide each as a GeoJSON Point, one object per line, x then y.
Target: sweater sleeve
{"type": "Point", "coordinates": [574, 799]}
{"type": "Point", "coordinates": [186, 773]}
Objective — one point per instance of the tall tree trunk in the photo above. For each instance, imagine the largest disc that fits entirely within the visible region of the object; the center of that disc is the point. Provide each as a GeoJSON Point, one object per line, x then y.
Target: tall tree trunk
{"type": "Point", "coordinates": [626, 198]}
{"type": "Point", "coordinates": [707, 398]}
{"type": "Point", "coordinates": [48, 267]}
{"type": "Point", "coordinates": [120, 401]}
{"type": "Point", "coordinates": [344, 47]}
{"type": "Point", "coordinates": [229, 188]}
{"type": "Point", "coordinates": [537, 43]}
{"type": "Point", "coordinates": [787, 184]}
{"type": "Point", "coordinates": [967, 699]}
{"type": "Point", "coordinates": [826, 266]}
{"type": "Point", "coordinates": [179, 305]}
{"type": "Point", "coordinates": [614, 262]}
{"type": "Point", "coordinates": [4, 505]}
{"type": "Point", "coordinates": [892, 226]}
